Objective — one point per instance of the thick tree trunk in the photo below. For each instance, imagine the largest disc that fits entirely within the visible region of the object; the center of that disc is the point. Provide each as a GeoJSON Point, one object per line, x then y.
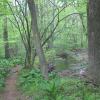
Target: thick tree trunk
{"type": "Point", "coordinates": [94, 40]}
{"type": "Point", "coordinates": [5, 37]}
{"type": "Point", "coordinates": [37, 40]}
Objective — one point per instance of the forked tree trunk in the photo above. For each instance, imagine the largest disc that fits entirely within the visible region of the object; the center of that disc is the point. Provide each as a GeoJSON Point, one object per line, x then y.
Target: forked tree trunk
{"type": "Point", "coordinates": [37, 40]}
{"type": "Point", "coordinates": [94, 40]}
{"type": "Point", "coordinates": [5, 37]}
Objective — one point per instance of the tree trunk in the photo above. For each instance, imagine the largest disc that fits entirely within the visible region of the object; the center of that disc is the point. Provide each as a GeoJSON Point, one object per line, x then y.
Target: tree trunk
{"type": "Point", "coordinates": [94, 40]}
{"type": "Point", "coordinates": [5, 37]}
{"type": "Point", "coordinates": [37, 40]}
{"type": "Point", "coordinates": [28, 59]}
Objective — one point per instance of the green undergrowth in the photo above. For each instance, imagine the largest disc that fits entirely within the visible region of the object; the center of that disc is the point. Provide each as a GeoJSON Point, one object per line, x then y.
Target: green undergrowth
{"type": "Point", "coordinates": [32, 84]}
{"type": "Point", "coordinates": [5, 67]}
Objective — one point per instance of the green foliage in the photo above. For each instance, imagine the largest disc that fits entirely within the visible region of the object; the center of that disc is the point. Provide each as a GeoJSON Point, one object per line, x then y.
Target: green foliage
{"type": "Point", "coordinates": [4, 70]}
{"type": "Point", "coordinates": [50, 55]}
{"type": "Point", "coordinates": [17, 60]}
{"type": "Point", "coordinates": [3, 74]}
{"type": "Point", "coordinates": [6, 63]}
{"type": "Point", "coordinates": [29, 78]}
{"type": "Point", "coordinates": [33, 84]}
{"type": "Point", "coordinates": [5, 67]}
{"type": "Point", "coordinates": [4, 10]}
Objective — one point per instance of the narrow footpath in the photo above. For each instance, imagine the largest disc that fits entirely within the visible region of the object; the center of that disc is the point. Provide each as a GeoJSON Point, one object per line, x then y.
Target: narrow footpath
{"type": "Point", "coordinates": [10, 92]}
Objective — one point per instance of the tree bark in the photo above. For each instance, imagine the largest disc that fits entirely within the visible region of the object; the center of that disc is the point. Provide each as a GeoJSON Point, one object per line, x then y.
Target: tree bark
{"type": "Point", "coordinates": [94, 40]}
{"type": "Point", "coordinates": [37, 40]}
{"type": "Point", "coordinates": [5, 37]}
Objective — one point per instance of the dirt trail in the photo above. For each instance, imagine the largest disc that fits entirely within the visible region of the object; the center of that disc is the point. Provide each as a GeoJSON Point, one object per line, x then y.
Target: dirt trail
{"type": "Point", "coordinates": [11, 92]}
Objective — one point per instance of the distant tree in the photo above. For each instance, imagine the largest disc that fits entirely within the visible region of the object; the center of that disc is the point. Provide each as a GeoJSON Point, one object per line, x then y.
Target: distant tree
{"type": "Point", "coordinates": [5, 37]}
{"type": "Point", "coordinates": [4, 12]}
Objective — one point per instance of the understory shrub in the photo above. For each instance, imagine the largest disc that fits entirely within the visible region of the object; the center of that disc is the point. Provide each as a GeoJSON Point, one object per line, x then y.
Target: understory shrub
{"type": "Point", "coordinates": [36, 87]}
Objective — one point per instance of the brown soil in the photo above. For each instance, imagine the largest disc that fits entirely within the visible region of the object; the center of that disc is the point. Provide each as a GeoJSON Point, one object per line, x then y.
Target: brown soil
{"type": "Point", "coordinates": [10, 92]}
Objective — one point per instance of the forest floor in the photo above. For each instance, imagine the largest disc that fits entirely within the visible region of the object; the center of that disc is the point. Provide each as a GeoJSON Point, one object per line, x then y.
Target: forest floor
{"type": "Point", "coordinates": [10, 92]}
{"type": "Point", "coordinates": [78, 67]}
